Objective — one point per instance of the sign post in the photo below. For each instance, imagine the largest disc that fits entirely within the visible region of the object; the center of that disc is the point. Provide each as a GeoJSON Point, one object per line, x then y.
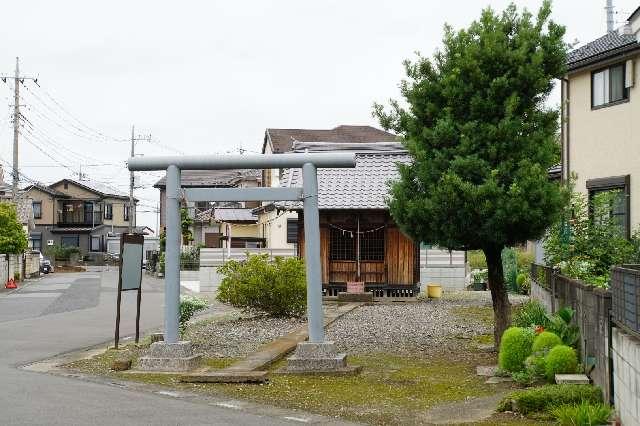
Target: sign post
{"type": "Point", "coordinates": [130, 276]}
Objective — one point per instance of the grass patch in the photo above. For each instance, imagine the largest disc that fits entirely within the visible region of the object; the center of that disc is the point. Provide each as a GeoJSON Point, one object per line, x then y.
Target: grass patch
{"type": "Point", "coordinates": [391, 389]}
{"type": "Point", "coordinates": [218, 363]}
{"type": "Point", "coordinates": [483, 339]}
{"type": "Point", "coordinates": [482, 314]}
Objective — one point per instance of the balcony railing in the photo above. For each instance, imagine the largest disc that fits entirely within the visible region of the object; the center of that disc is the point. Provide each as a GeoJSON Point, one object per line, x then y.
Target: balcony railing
{"type": "Point", "coordinates": [79, 217]}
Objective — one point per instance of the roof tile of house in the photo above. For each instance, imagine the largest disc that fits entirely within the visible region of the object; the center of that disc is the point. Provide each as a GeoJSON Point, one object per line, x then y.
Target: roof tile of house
{"type": "Point", "coordinates": [282, 139]}
{"type": "Point", "coordinates": [204, 178]}
{"type": "Point", "coordinates": [363, 187]}
{"type": "Point", "coordinates": [607, 45]}
{"type": "Point", "coordinates": [234, 215]}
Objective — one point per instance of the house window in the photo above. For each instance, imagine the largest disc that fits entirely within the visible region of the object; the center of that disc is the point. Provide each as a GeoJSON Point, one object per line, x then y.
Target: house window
{"type": "Point", "coordinates": [620, 208]}
{"type": "Point", "coordinates": [126, 212]}
{"type": "Point", "coordinates": [36, 242]}
{"type": "Point", "coordinates": [292, 231]}
{"type": "Point", "coordinates": [608, 86]}
{"type": "Point", "coordinates": [37, 209]}
{"type": "Point", "coordinates": [70, 240]}
{"type": "Point", "coordinates": [342, 244]}
{"type": "Point", "coordinates": [95, 243]}
{"type": "Point", "coordinates": [108, 211]}
{"type": "Point", "coordinates": [372, 245]}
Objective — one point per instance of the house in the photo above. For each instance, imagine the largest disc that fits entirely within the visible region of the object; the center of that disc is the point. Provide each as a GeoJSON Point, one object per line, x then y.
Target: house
{"type": "Point", "coordinates": [278, 228]}
{"type": "Point", "coordinates": [601, 119]}
{"type": "Point", "coordinates": [359, 240]}
{"type": "Point", "coordinates": [77, 213]}
{"type": "Point", "coordinates": [209, 227]}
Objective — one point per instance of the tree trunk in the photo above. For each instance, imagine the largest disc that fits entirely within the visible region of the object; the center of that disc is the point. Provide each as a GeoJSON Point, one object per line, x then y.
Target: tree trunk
{"type": "Point", "coordinates": [499, 296]}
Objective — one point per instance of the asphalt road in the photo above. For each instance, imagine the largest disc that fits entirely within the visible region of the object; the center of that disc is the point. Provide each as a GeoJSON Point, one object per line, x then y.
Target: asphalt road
{"type": "Point", "coordinates": [64, 312]}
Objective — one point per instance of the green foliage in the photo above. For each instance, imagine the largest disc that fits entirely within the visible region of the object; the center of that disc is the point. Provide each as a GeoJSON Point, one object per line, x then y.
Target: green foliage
{"type": "Point", "coordinates": [524, 259]}
{"type": "Point", "coordinates": [510, 268]}
{"type": "Point", "coordinates": [481, 138]}
{"type": "Point", "coordinates": [583, 414]}
{"type": "Point", "coordinates": [13, 239]}
{"type": "Point", "coordinates": [276, 288]}
{"type": "Point", "coordinates": [185, 226]}
{"type": "Point", "coordinates": [544, 398]}
{"type": "Point", "coordinates": [190, 259]}
{"type": "Point", "coordinates": [561, 359]}
{"type": "Point", "coordinates": [524, 378]}
{"type": "Point", "coordinates": [544, 341]}
{"type": "Point", "coordinates": [59, 252]}
{"type": "Point", "coordinates": [189, 305]}
{"type": "Point", "coordinates": [523, 283]}
{"type": "Point", "coordinates": [520, 279]}
{"type": "Point", "coordinates": [531, 313]}
{"type": "Point", "coordinates": [515, 347]}
{"type": "Point", "coordinates": [560, 324]}
{"type": "Point", "coordinates": [163, 240]}
{"type": "Point", "coordinates": [535, 365]}
{"type": "Point", "coordinates": [587, 240]}
{"type": "Point", "coordinates": [161, 260]}
{"type": "Point", "coordinates": [16, 276]}
{"type": "Point", "coordinates": [476, 259]}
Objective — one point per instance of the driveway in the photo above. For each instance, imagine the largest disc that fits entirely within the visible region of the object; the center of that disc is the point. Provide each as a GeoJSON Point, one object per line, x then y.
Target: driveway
{"type": "Point", "coordinates": [65, 312]}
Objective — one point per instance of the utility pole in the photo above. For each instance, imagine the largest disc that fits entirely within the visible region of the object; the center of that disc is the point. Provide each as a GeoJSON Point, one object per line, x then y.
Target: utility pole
{"type": "Point", "coordinates": [17, 79]}
{"type": "Point", "coordinates": [132, 213]}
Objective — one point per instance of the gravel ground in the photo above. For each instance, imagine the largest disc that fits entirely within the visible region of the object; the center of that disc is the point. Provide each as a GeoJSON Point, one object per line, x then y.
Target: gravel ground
{"type": "Point", "coordinates": [406, 328]}
{"type": "Point", "coordinates": [423, 326]}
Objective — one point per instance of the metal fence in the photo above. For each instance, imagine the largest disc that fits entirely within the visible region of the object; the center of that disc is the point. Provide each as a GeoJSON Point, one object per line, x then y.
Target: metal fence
{"type": "Point", "coordinates": [625, 289]}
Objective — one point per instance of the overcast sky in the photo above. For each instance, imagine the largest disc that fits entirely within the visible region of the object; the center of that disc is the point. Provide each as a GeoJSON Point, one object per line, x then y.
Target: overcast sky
{"type": "Point", "coordinates": [205, 77]}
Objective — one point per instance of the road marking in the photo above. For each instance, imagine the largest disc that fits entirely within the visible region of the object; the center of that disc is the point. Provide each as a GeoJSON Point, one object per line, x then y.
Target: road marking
{"type": "Point", "coordinates": [40, 287]}
{"type": "Point", "coordinates": [298, 419]}
{"type": "Point", "coordinates": [24, 295]}
{"type": "Point", "coordinates": [169, 393]}
{"type": "Point", "coordinates": [228, 405]}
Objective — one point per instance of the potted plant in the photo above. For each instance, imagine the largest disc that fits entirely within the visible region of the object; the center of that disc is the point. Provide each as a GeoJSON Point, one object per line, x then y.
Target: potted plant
{"type": "Point", "coordinates": [479, 279]}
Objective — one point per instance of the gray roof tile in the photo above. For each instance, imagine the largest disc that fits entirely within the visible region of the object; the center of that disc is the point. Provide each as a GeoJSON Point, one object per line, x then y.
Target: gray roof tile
{"type": "Point", "coordinates": [282, 139]}
{"type": "Point", "coordinates": [363, 187]}
{"type": "Point", "coordinates": [205, 178]}
{"type": "Point", "coordinates": [600, 48]}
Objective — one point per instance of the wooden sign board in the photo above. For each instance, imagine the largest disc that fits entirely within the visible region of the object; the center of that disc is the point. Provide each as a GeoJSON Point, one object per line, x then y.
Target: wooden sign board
{"type": "Point", "coordinates": [355, 287]}
{"type": "Point", "coordinates": [130, 275]}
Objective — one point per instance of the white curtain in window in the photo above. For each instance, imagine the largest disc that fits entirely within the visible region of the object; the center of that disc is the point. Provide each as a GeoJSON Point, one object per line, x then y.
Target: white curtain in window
{"type": "Point", "coordinates": [600, 88]}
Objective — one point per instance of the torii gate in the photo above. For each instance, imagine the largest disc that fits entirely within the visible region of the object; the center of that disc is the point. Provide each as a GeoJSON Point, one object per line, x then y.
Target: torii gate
{"type": "Point", "coordinates": [308, 194]}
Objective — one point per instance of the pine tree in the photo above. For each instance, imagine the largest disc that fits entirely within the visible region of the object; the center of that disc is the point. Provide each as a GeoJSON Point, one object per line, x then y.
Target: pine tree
{"type": "Point", "coordinates": [481, 140]}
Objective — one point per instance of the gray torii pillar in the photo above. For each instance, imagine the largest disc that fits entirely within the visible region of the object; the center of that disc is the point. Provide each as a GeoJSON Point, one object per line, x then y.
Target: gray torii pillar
{"type": "Point", "coordinates": [314, 355]}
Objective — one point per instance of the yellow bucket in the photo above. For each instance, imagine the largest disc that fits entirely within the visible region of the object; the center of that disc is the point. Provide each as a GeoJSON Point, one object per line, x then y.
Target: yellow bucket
{"type": "Point", "coordinates": [434, 291]}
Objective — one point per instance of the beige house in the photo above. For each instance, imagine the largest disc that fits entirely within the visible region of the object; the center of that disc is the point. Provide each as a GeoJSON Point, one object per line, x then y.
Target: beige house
{"type": "Point", "coordinates": [214, 223]}
{"type": "Point", "coordinates": [77, 213]}
{"type": "Point", "coordinates": [601, 119]}
{"type": "Point", "coordinates": [279, 227]}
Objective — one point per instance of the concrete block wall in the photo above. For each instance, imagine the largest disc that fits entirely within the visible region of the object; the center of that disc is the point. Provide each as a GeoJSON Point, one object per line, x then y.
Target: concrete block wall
{"type": "Point", "coordinates": [15, 265]}
{"type": "Point", "coordinates": [625, 351]}
{"type": "Point", "coordinates": [451, 277]}
{"type": "Point", "coordinates": [32, 264]}
{"type": "Point", "coordinates": [209, 279]}
{"type": "Point", "coordinates": [3, 270]}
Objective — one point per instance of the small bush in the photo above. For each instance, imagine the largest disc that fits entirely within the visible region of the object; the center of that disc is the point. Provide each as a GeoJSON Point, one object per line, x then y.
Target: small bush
{"type": "Point", "coordinates": [16, 276]}
{"type": "Point", "coordinates": [560, 324]}
{"type": "Point", "coordinates": [535, 365]}
{"type": "Point", "coordinates": [524, 259]}
{"type": "Point", "coordinates": [189, 305]}
{"type": "Point", "coordinates": [561, 359]}
{"type": "Point", "coordinates": [59, 252]}
{"type": "Point", "coordinates": [530, 314]}
{"type": "Point", "coordinates": [524, 378]}
{"type": "Point", "coordinates": [523, 283]}
{"type": "Point", "coordinates": [544, 398]}
{"type": "Point", "coordinates": [276, 288]}
{"type": "Point", "coordinates": [515, 347]}
{"type": "Point", "coordinates": [583, 414]}
{"type": "Point", "coordinates": [476, 259]}
{"type": "Point", "coordinates": [545, 341]}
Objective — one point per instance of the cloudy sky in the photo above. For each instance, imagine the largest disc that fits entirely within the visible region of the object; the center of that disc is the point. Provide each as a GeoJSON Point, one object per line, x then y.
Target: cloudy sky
{"type": "Point", "coordinates": [210, 76]}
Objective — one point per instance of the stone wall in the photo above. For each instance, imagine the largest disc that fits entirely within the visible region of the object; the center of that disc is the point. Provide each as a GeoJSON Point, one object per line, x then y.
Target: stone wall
{"type": "Point", "coordinates": [625, 351]}
{"type": "Point", "coordinates": [32, 264]}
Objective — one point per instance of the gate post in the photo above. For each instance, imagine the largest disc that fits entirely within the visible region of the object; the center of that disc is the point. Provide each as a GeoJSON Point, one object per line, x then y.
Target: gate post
{"type": "Point", "coordinates": [172, 257]}
{"type": "Point", "coordinates": [312, 252]}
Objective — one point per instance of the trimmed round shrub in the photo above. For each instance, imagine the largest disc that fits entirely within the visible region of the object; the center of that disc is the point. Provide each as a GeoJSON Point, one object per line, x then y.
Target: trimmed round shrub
{"type": "Point", "coordinates": [535, 364]}
{"type": "Point", "coordinates": [545, 341]}
{"type": "Point", "coordinates": [561, 359]}
{"type": "Point", "coordinates": [515, 347]}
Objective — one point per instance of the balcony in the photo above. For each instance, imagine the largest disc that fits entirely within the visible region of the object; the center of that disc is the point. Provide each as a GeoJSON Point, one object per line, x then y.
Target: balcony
{"type": "Point", "coordinates": [83, 214]}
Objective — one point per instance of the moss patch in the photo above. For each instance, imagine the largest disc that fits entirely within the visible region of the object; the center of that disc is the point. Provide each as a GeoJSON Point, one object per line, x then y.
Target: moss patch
{"type": "Point", "coordinates": [483, 339]}
{"type": "Point", "coordinates": [481, 314]}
